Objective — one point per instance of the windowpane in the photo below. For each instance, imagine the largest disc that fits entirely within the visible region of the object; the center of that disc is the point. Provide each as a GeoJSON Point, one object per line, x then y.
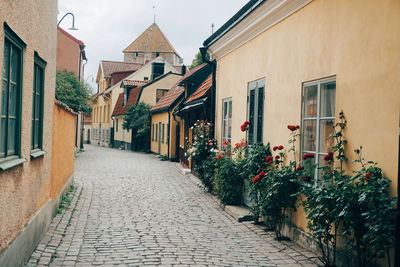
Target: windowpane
{"type": "Point", "coordinates": [309, 135]}
{"type": "Point", "coordinates": [4, 98]}
{"type": "Point", "coordinates": [3, 129]}
{"type": "Point", "coordinates": [11, 146]}
{"type": "Point", "coordinates": [328, 99]}
{"type": "Point", "coordinates": [12, 109]}
{"type": "Point", "coordinates": [260, 112]}
{"type": "Point", "coordinates": [325, 131]}
{"type": "Point", "coordinates": [252, 101]}
{"type": "Point", "coordinates": [310, 101]}
{"type": "Point", "coordinates": [14, 65]}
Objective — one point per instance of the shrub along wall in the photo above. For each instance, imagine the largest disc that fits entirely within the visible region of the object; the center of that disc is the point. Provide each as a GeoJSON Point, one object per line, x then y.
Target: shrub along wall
{"type": "Point", "coordinates": [351, 211]}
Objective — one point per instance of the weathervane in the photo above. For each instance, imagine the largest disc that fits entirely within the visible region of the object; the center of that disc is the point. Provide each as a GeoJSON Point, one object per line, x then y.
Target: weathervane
{"type": "Point", "coordinates": [212, 28]}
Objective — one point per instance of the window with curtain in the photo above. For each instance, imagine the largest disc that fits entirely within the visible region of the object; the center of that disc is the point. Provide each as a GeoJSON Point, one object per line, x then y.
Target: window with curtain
{"type": "Point", "coordinates": [255, 111]}
{"type": "Point", "coordinates": [38, 103]}
{"type": "Point", "coordinates": [227, 120]}
{"type": "Point", "coordinates": [318, 118]}
{"type": "Point", "coordinates": [11, 95]}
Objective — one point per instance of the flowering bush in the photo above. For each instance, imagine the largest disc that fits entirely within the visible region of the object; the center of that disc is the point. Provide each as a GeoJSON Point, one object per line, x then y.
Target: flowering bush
{"type": "Point", "coordinates": [275, 188]}
{"type": "Point", "coordinates": [356, 207]}
{"type": "Point", "coordinates": [201, 151]}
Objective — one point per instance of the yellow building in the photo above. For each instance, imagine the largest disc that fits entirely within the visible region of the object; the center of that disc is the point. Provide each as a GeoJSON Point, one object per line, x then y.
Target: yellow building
{"type": "Point", "coordinates": [147, 57]}
{"type": "Point", "coordinates": [176, 112]}
{"type": "Point", "coordinates": [301, 62]}
{"type": "Point", "coordinates": [135, 91]}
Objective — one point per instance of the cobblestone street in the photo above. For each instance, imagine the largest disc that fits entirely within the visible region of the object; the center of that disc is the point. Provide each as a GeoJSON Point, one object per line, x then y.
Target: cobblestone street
{"type": "Point", "coordinates": [131, 209]}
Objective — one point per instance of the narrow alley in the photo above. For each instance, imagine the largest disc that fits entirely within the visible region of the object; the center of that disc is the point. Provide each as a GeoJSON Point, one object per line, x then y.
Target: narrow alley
{"type": "Point", "coordinates": [131, 209]}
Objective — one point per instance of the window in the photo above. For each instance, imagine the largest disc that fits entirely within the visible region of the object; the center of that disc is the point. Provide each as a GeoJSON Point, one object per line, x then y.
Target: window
{"type": "Point", "coordinates": [168, 133]}
{"type": "Point", "coordinates": [160, 93]}
{"type": "Point", "coordinates": [227, 120]}
{"type": "Point", "coordinates": [318, 117]}
{"type": "Point", "coordinates": [255, 111]}
{"type": "Point", "coordinates": [156, 132]}
{"type": "Point", "coordinates": [11, 95]}
{"type": "Point", "coordinates": [163, 133]}
{"type": "Point", "coordinates": [152, 132]}
{"type": "Point", "coordinates": [38, 102]}
{"type": "Point", "coordinates": [145, 78]}
{"type": "Point", "coordinates": [116, 124]}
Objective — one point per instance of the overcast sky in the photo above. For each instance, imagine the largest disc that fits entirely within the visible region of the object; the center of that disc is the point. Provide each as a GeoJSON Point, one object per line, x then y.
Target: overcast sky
{"type": "Point", "coordinates": [108, 26]}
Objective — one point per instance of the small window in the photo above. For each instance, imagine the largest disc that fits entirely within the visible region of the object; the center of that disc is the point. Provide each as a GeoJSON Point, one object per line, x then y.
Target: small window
{"type": "Point", "coordinates": [163, 133]}
{"type": "Point", "coordinates": [38, 103]}
{"type": "Point", "coordinates": [160, 93]}
{"type": "Point", "coordinates": [11, 95]}
{"type": "Point", "coordinates": [168, 133]}
{"type": "Point", "coordinates": [227, 120]}
{"type": "Point", "coordinates": [116, 125]}
{"type": "Point", "coordinates": [146, 78]}
{"type": "Point", "coordinates": [156, 132]}
{"type": "Point", "coordinates": [318, 118]}
{"type": "Point", "coordinates": [255, 111]}
{"type": "Point", "coordinates": [152, 132]}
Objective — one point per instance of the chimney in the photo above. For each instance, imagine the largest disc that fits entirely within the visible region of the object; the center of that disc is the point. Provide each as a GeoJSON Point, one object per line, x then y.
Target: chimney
{"type": "Point", "coordinates": [183, 70]}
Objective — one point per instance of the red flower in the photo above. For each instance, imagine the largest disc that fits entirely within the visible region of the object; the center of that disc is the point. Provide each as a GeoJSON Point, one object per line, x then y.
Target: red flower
{"type": "Point", "coordinates": [300, 168]}
{"type": "Point", "coordinates": [277, 157]}
{"type": "Point", "coordinates": [246, 123]}
{"type": "Point", "coordinates": [280, 147]}
{"type": "Point", "coordinates": [243, 127]}
{"type": "Point", "coordinates": [292, 128]}
{"type": "Point", "coordinates": [308, 156]}
{"type": "Point", "coordinates": [256, 179]}
{"type": "Point", "coordinates": [367, 176]}
{"type": "Point", "coordinates": [268, 159]}
{"type": "Point", "coordinates": [329, 157]}
{"type": "Point", "coordinates": [275, 148]}
{"type": "Point", "coordinates": [261, 174]}
{"type": "Point", "coordinates": [219, 156]}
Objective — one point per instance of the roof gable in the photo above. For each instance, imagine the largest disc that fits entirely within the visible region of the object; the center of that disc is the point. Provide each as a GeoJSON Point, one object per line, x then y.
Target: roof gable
{"type": "Point", "coordinates": [202, 90]}
{"type": "Point", "coordinates": [109, 67]}
{"type": "Point", "coordinates": [119, 108]}
{"type": "Point", "coordinates": [151, 40]}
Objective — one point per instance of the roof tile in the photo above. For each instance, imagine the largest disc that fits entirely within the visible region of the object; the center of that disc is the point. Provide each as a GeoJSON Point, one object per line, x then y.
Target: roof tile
{"type": "Point", "coordinates": [202, 90]}
{"type": "Point", "coordinates": [116, 66]}
{"type": "Point", "coordinates": [120, 109]}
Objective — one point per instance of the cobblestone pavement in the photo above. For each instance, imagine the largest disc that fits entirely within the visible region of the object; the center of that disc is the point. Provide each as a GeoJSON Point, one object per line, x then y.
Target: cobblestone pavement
{"type": "Point", "coordinates": [131, 209]}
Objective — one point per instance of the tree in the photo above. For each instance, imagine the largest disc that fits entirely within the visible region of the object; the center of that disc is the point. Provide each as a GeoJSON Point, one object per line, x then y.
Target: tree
{"type": "Point", "coordinates": [137, 119]}
{"type": "Point", "coordinates": [198, 60]}
{"type": "Point", "coordinates": [72, 92]}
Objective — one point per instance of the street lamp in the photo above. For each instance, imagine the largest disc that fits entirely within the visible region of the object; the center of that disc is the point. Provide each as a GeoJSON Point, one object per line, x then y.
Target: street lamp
{"type": "Point", "coordinates": [73, 28]}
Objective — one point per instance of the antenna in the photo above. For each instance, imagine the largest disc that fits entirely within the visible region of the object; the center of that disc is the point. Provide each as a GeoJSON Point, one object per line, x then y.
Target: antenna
{"type": "Point", "coordinates": [212, 28]}
{"type": "Point", "coordinates": [154, 10]}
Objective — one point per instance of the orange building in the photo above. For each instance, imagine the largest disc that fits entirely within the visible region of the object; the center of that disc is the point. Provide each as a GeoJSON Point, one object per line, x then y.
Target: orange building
{"type": "Point", "coordinates": [70, 53]}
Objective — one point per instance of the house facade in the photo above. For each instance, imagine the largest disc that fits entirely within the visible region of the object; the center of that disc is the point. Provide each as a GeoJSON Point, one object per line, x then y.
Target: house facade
{"type": "Point", "coordinates": [148, 92]}
{"type": "Point", "coordinates": [29, 192]}
{"type": "Point", "coordinates": [70, 53]}
{"type": "Point", "coordinates": [302, 62]}
{"type": "Point", "coordinates": [144, 59]}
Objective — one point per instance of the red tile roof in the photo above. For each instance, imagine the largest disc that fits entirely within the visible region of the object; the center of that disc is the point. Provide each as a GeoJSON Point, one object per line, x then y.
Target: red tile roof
{"type": "Point", "coordinates": [202, 90]}
{"type": "Point", "coordinates": [169, 98]}
{"type": "Point", "coordinates": [120, 109]}
{"type": "Point", "coordinates": [116, 66]}
{"type": "Point", "coordinates": [79, 42]}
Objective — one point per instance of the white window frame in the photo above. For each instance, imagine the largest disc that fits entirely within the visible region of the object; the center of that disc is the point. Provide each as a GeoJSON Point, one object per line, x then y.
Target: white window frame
{"type": "Point", "coordinates": [257, 84]}
{"type": "Point", "coordinates": [318, 118]}
{"type": "Point", "coordinates": [225, 131]}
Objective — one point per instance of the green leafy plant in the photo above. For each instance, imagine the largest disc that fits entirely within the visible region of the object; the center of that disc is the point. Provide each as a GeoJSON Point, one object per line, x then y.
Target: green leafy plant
{"type": "Point", "coordinates": [275, 188]}
{"type": "Point", "coordinates": [72, 92]}
{"type": "Point", "coordinates": [138, 120]}
{"type": "Point", "coordinates": [202, 151]}
{"type": "Point", "coordinates": [369, 215]}
{"type": "Point", "coordinates": [324, 202]}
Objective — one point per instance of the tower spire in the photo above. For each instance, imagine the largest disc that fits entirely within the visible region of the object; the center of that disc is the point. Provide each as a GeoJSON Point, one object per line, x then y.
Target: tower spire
{"type": "Point", "coordinates": [154, 11]}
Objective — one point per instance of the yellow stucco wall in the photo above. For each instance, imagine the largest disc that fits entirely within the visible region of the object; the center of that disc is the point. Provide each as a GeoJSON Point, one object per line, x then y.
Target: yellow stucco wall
{"type": "Point", "coordinates": [357, 41]}
{"type": "Point", "coordinates": [26, 188]}
{"type": "Point", "coordinates": [157, 146]}
{"type": "Point", "coordinates": [63, 149]}
{"type": "Point", "coordinates": [148, 95]}
{"type": "Point", "coordinates": [121, 135]}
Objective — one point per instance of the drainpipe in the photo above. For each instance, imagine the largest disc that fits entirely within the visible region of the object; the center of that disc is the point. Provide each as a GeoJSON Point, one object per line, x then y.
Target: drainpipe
{"type": "Point", "coordinates": [169, 131]}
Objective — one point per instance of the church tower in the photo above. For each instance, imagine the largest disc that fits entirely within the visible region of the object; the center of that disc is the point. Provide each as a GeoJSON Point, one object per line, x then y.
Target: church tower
{"type": "Point", "coordinates": [151, 44]}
